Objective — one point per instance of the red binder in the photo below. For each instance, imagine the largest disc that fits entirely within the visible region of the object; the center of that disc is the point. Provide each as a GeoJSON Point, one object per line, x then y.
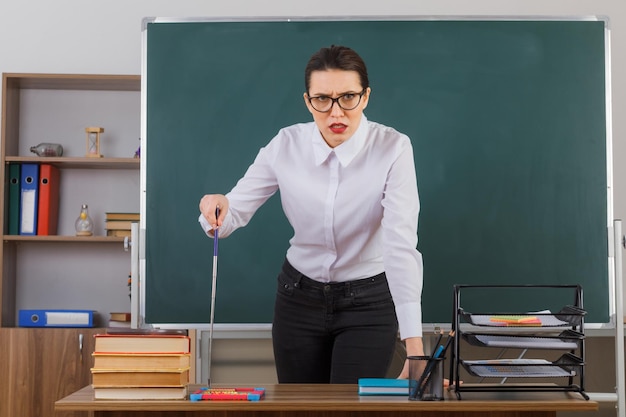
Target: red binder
{"type": "Point", "coordinates": [48, 210]}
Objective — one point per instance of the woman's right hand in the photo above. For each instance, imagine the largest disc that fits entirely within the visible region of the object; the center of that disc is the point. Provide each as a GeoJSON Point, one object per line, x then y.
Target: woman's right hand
{"type": "Point", "coordinates": [210, 204]}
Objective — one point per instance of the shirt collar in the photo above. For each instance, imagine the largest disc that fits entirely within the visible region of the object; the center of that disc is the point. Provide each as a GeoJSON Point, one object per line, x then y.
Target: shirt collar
{"type": "Point", "coordinates": [346, 151]}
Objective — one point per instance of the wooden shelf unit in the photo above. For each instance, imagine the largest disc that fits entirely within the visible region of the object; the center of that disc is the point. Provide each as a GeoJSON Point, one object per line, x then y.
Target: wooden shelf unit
{"type": "Point", "coordinates": [57, 359]}
{"type": "Point", "coordinates": [13, 87]}
{"type": "Point", "coordinates": [40, 366]}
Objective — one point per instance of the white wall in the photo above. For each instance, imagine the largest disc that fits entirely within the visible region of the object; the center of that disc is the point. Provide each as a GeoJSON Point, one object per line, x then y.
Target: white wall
{"type": "Point", "coordinates": [78, 36]}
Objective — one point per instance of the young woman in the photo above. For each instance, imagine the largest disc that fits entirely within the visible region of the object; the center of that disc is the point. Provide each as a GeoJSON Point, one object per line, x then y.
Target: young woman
{"type": "Point", "coordinates": [352, 275]}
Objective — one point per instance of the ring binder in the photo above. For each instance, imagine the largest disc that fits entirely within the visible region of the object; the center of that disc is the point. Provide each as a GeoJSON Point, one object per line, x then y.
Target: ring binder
{"type": "Point", "coordinates": [55, 318]}
{"type": "Point", "coordinates": [29, 184]}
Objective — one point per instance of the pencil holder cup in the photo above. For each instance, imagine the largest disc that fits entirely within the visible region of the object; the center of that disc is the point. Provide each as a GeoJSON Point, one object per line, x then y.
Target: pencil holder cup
{"type": "Point", "coordinates": [425, 378]}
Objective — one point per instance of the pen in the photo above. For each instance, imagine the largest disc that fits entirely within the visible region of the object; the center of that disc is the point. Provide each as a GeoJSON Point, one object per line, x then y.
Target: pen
{"type": "Point", "coordinates": [438, 352]}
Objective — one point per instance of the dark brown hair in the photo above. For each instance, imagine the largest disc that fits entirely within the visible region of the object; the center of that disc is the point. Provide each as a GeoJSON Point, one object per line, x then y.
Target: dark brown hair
{"type": "Point", "coordinates": [336, 57]}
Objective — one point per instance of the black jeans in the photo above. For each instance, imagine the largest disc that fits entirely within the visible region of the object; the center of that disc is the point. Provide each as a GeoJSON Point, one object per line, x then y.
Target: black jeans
{"type": "Point", "coordinates": [332, 332]}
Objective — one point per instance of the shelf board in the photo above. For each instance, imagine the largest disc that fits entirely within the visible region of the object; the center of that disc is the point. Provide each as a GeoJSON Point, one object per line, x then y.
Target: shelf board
{"type": "Point", "coordinates": [74, 81]}
{"type": "Point", "coordinates": [79, 162]}
{"type": "Point", "coordinates": [57, 238]}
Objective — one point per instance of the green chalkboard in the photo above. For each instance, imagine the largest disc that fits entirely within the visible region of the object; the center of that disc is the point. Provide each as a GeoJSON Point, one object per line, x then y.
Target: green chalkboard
{"type": "Point", "coordinates": [508, 122]}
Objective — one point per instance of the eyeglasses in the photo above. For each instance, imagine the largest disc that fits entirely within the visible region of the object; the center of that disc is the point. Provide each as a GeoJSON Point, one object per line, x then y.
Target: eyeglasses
{"type": "Point", "coordinates": [347, 101]}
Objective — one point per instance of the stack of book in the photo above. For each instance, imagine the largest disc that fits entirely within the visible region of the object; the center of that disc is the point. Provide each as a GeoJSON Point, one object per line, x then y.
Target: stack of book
{"type": "Point", "coordinates": [120, 319]}
{"type": "Point", "coordinates": [141, 366]}
{"type": "Point", "coordinates": [118, 224]}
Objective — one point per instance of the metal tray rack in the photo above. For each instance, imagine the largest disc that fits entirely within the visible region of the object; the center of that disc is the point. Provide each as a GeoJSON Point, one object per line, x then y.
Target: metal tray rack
{"type": "Point", "coordinates": [543, 330]}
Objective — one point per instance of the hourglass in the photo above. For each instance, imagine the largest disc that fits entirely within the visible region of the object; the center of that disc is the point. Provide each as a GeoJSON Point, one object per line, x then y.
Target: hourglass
{"type": "Point", "coordinates": [93, 141]}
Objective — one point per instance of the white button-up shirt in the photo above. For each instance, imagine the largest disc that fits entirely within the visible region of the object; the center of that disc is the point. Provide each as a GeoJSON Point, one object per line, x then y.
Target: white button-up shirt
{"type": "Point", "coordinates": [353, 208]}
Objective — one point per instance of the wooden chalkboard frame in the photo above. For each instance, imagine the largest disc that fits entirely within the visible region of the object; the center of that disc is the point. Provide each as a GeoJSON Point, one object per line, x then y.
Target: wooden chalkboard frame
{"type": "Point", "coordinates": [471, 240]}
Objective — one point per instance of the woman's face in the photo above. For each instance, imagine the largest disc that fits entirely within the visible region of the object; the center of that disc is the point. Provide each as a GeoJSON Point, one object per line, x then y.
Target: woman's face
{"type": "Point", "coordinates": [336, 125]}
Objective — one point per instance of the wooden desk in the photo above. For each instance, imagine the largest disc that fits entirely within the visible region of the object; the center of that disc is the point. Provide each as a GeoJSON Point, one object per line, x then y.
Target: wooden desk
{"type": "Point", "coordinates": [296, 400]}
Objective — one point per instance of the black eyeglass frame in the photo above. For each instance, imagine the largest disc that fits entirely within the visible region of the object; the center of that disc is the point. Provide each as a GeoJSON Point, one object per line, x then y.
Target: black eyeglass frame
{"type": "Point", "coordinates": [336, 100]}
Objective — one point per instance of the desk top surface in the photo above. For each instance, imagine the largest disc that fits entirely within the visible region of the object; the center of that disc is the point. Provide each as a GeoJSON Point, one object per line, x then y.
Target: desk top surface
{"type": "Point", "coordinates": [298, 397]}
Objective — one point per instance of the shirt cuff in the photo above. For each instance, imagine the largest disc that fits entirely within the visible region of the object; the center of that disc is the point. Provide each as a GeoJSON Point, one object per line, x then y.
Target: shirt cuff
{"type": "Point", "coordinates": [409, 320]}
{"type": "Point", "coordinates": [204, 223]}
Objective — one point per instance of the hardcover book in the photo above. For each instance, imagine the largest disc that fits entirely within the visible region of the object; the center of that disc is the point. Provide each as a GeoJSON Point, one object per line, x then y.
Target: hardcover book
{"type": "Point", "coordinates": [140, 393]}
{"type": "Point", "coordinates": [133, 217]}
{"type": "Point", "coordinates": [383, 386]}
{"type": "Point", "coordinates": [139, 377]}
{"type": "Point", "coordinates": [119, 233]}
{"type": "Point", "coordinates": [141, 343]}
{"type": "Point", "coordinates": [118, 224]}
{"type": "Point", "coordinates": [141, 360]}
{"type": "Point", "coordinates": [120, 316]}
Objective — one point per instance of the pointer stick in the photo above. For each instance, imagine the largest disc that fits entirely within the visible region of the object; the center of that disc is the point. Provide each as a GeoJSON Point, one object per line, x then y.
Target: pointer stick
{"type": "Point", "coordinates": [213, 286]}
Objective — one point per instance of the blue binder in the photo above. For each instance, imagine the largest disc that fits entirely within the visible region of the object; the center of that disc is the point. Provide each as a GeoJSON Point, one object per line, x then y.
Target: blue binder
{"type": "Point", "coordinates": [29, 183]}
{"type": "Point", "coordinates": [55, 318]}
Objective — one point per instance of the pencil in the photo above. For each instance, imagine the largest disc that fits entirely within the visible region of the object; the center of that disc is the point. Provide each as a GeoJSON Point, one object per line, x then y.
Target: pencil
{"type": "Point", "coordinates": [436, 345]}
{"type": "Point", "coordinates": [448, 342]}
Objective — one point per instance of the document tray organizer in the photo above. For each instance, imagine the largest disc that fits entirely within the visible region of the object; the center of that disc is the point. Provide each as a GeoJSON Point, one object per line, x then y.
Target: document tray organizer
{"type": "Point", "coordinates": [566, 340]}
{"type": "Point", "coordinates": [560, 331]}
{"type": "Point", "coordinates": [568, 316]}
{"type": "Point", "coordinates": [566, 366]}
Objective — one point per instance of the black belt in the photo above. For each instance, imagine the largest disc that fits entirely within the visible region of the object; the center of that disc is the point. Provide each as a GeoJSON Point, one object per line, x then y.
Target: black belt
{"type": "Point", "coordinates": [303, 280]}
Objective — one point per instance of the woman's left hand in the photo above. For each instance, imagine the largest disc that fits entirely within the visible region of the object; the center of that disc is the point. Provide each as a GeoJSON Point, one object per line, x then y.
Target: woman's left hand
{"type": "Point", "coordinates": [415, 347]}
{"type": "Point", "coordinates": [404, 374]}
